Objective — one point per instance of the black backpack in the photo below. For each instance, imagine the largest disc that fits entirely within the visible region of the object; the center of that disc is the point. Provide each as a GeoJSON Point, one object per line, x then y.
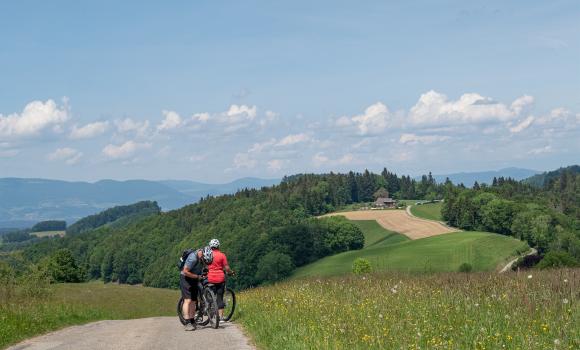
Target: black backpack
{"type": "Point", "coordinates": [183, 257]}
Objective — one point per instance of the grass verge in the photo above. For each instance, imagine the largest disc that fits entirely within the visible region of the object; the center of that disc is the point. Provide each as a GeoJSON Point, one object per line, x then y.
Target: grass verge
{"type": "Point", "coordinates": [70, 304]}
{"type": "Point", "coordinates": [398, 311]}
{"type": "Point", "coordinates": [431, 211]}
{"type": "Point", "coordinates": [443, 253]}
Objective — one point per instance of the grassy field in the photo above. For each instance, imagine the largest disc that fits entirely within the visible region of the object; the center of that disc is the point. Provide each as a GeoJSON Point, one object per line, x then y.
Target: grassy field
{"type": "Point", "coordinates": [431, 211]}
{"type": "Point", "coordinates": [48, 233]}
{"type": "Point", "coordinates": [535, 310]}
{"type": "Point", "coordinates": [376, 234]}
{"type": "Point", "coordinates": [484, 251]}
{"type": "Point", "coordinates": [62, 305]}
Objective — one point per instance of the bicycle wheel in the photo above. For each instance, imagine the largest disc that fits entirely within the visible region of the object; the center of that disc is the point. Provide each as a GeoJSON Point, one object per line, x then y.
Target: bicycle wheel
{"type": "Point", "coordinates": [211, 307]}
{"type": "Point", "coordinates": [180, 311]}
{"type": "Point", "coordinates": [230, 304]}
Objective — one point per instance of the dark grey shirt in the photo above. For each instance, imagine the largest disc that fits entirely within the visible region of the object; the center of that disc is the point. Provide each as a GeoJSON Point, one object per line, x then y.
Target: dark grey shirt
{"type": "Point", "coordinates": [193, 263]}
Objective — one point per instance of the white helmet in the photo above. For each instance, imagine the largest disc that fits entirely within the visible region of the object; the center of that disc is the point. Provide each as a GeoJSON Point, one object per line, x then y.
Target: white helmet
{"type": "Point", "coordinates": [207, 255]}
{"type": "Point", "coordinates": [214, 243]}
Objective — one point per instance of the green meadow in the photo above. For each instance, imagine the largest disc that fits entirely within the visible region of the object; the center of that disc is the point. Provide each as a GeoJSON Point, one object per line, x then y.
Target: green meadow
{"type": "Point", "coordinates": [430, 211]}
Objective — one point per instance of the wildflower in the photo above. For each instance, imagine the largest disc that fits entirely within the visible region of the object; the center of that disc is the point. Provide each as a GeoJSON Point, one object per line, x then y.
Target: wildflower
{"type": "Point", "coordinates": [529, 276]}
{"type": "Point", "coordinates": [565, 301]}
{"type": "Point", "coordinates": [380, 315]}
{"type": "Point", "coordinates": [556, 341]}
{"type": "Point", "coordinates": [393, 290]}
{"type": "Point", "coordinates": [565, 281]}
{"type": "Point", "coordinates": [476, 304]}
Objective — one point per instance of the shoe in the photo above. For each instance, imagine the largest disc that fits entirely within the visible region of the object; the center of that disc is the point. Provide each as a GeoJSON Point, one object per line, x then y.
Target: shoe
{"type": "Point", "coordinates": [190, 327]}
{"type": "Point", "coordinates": [222, 319]}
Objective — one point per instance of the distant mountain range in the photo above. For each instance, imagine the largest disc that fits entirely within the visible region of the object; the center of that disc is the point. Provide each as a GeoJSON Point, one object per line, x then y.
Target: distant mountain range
{"type": "Point", "coordinates": [486, 176]}
{"type": "Point", "coordinates": [23, 202]}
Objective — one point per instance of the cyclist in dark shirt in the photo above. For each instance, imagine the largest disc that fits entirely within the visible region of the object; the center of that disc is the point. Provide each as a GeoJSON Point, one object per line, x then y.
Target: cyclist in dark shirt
{"type": "Point", "coordinates": [189, 278]}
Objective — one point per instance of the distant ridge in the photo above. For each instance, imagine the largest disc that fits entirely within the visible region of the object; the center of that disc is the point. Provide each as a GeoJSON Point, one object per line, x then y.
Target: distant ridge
{"type": "Point", "coordinates": [25, 201]}
{"type": "Point", "coordinates": [468, 178]}
{"type": "Point", "coordinates": [541, 180]}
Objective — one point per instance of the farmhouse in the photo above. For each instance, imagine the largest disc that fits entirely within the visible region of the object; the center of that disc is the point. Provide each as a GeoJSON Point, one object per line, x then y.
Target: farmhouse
{"type": "Point", "coordinates": [385, 202]}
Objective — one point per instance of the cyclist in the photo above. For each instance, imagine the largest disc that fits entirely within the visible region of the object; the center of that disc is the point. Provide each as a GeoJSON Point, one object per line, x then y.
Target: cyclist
{"type": "Point", "coordinates": [216, 274]}
{"type": "Point", "coordinates": [189, 278]}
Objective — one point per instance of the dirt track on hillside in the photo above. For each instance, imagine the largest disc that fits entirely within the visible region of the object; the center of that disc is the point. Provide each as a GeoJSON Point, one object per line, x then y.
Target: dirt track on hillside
{"type": "Point", "coordinates": [163, 333]}
{"type": "Point", "coordinates": [400, 221]}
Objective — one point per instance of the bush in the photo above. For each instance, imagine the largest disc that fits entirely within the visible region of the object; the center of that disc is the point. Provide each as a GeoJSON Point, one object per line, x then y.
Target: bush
{"type": "Point", "coordinates": [465, 267]}
{"type": "Point", "coordinates": [361, 266]}
{"type": "Point", "coordinates": [62, 267]}
{"type": "Point", "coordinates": [274, 266]}
{"type": "Point", "coordinates": [557, 259]}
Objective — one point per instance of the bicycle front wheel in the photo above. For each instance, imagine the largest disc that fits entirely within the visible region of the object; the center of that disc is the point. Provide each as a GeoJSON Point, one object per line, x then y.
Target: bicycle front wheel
{"type": "Point", "coordinates": [230, 304]}
{"type": "Point", "coordinates": [211, 307]}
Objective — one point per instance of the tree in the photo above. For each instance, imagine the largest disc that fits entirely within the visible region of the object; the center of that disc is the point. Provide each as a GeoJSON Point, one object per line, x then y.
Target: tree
{"type": "Point", "coordinates": [381, 193]}
{"type": "Point", "coordinates": [273, 267]}
{"type": "Point", "coordinates": [62, 267]}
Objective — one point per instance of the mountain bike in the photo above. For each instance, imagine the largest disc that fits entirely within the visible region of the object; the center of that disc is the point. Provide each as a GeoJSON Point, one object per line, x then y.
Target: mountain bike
{"type": "Point", "coordinates": [202, 316]}
{"type": "Point", "coordinates": [207, 309]}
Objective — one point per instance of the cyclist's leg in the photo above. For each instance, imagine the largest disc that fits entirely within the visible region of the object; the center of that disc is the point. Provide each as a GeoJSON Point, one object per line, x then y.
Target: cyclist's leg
{"type": "Point", "coordinates": [219, 291]}
{"type": "Point", "coordinates": [194, 295]}
{"type": "Point", "coordinates": [187, 297]}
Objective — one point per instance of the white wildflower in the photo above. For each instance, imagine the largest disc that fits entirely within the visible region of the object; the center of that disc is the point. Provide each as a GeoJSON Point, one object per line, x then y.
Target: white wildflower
{"type": "Point", "coordinates": [565, 301]}
{"type": "Point", "coordinates": [529, 276]}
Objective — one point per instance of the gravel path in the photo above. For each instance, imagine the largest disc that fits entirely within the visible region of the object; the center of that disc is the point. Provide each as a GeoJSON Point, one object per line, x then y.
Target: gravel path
{"type": "Point", "coordinates": [146, 333]}
{"type": "Point", "coordinates": [509, 265]}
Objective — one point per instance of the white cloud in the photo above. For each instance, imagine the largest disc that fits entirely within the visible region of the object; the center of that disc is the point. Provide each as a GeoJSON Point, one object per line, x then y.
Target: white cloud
{"type": "Point", "coordinates": [68, 155]}
{"type": "Point", "coordinates": [243, 160]}
{"type": "Point", "coordinates": [236, 114]}
{"type": "Point", "coordinates": [412, 139]}
{"type": "Point", "coordinates": [319, 160]}
{"type": "Point", "coordinates": [125, 150]}
{"type": "Point", "coordinates": [35, 117]}
{"type": "Point", "coordinates": [171, 121]}
{"type": "Point", "coordinates": [373, 121]}
{"type": "Point", "coordinates": [434, 108]}
{"type": "Point", "coordinates": [197, 158]}
{"type": "Point", "coordinates": [541, 150]}
{"type": "Point", "coordinates": [9, 153]}
{"type": "Point", "coordinates": [89, 130]}
{"type": "Point", "coordinates": [276, 165]}
{"type": "Point", "coordinates": [293, 139]}
{"type": "Point", "coordinates": [129, 125]}
{"type": "Point", "coordinates": [201, 117]}
{"type": "Point", "coordinates": [524, 124]}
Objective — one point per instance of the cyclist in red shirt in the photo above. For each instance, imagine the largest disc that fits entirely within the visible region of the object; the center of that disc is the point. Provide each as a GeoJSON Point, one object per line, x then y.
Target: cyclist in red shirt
{"type": "Point", "coordinates": [216, 273]}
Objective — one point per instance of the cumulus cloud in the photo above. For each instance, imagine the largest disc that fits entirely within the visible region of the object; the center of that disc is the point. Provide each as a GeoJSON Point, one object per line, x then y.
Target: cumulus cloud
{"type": "Point", "coordinates": [293, 139]}
{"type": "Point", "coordinates": [524, 124]}
{"type": "Point", "coordinates": [243, 160]}
{"type": "Point", "coordinates": [541, 150]}
{"type": "Point", "coordinates": [89, 130]}
{"type": "Point", "coordinates": [68, 155]}
{"type": "Point", "coordinates": [171, 120]}
{"type": "Point", "coordinates": [434, 108]}
{"type": "Point", "coordinates": [425, 139]}
{"type": "Point", "coordinates": [276, 165]}
{"type": "Point", "coordinates": [320, 160]}
{"type": "Point", "coordinates": [201, 117]}
{"type": "Point", "coordinates": [129, 125]}
{"type": "Point", "coordinates": [34, 118]}
{"type": "Point", "coordinates": [372, 121]}
{"type": "Point", "coordinates": [240, 113]}
{"type": "Point", "coordinates": [124, 150]}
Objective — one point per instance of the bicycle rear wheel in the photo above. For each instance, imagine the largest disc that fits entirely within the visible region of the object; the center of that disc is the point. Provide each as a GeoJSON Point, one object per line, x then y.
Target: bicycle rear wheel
{"type": "Point", "coordinates": [211, 307]}
{"type": "Point", "coordinates": [230, 304]}
{"type": "Point", "coordinates": [180, 311]}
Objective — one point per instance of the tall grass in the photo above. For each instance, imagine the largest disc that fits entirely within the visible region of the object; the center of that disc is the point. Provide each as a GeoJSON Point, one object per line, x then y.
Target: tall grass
{"type": "Point", "coordinates": [29, 306]}
{"type": "Point", "coordinates": [536, 310]}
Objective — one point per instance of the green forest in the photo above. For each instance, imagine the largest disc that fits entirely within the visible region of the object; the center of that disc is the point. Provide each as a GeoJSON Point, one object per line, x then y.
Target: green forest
{"type": "Point", "coordinates": [545, 213]}
{"type": "Point", "coordinates": [267, 233]}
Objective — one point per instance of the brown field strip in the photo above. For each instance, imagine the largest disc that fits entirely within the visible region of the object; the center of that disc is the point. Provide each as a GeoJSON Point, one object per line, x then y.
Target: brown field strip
{"type": "Point", "coordinates": [399, 221]}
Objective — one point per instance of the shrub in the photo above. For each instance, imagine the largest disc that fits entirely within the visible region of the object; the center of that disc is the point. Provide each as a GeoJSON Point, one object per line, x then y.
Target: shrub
{"type": "Point", "coordinates": [361, 266]}
{"type": "Point", "coordinates": [465, 267]}
{"type": "Point", "coordinates": [557, 259]}
{"type": "Point", "coordinates": [62, 267]}
{"type": "Point", "coordinates": [274, 266]}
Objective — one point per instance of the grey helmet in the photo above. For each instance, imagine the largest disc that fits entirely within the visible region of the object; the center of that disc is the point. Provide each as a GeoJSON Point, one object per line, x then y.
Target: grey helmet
{"type": "Point", "coordinates": [207, 255]}
{"type": "Point", "coordinates": [214, 243]}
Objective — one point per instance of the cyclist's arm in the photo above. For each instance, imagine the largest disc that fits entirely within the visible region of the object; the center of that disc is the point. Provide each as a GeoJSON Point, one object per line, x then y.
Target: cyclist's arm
{"type": "Point", "coordinates": [228, 270]}
{"type": "Point", "coordinates": [189, 274]}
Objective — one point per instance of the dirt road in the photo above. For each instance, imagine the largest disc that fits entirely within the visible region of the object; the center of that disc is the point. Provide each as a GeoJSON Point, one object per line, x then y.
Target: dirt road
{"type": "Point", "coordinates": [146, 333]}
{"type": "Point", "coordinates": [400, 221]}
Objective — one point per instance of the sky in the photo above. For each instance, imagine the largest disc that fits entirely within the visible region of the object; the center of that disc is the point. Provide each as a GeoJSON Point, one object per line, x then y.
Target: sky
{"type": "Point", "coordinates": [218, 90]}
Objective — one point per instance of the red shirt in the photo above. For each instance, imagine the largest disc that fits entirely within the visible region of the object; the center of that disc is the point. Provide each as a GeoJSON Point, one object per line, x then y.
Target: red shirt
{"type": "Point", "coordinates": [216, 268]}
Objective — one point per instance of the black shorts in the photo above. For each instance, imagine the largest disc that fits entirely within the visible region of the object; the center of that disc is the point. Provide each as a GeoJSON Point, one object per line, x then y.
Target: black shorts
{"type": "Point", "coordinates": [219, 289]}
{"type": "Point", "coordinates": [188, 287]}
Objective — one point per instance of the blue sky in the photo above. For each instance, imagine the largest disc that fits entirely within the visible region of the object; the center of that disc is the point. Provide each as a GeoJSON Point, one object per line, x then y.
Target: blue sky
{"type": "Point", "coordinates": [213, 91]}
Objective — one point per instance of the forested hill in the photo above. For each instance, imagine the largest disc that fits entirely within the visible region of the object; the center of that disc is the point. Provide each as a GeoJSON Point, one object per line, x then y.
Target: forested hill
{"type": "Point", "coordinates": [544, 179]}
{"type": "Point", "coordinates": [266, 233]}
